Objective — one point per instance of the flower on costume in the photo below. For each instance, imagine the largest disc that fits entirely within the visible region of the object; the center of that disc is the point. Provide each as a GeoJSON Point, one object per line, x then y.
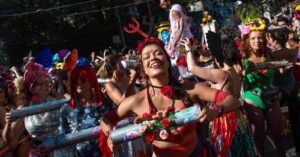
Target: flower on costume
{"type": "Point", "coordinates": [245, 29]}
{"type": "Point", "coordinates": [163, 134]}
{"type": "Point", "coordinates": [166, 122]}
{"type": "Point", "coordinates": [168, 91]}
{"type": "Point", "coordinates": [160, 122]}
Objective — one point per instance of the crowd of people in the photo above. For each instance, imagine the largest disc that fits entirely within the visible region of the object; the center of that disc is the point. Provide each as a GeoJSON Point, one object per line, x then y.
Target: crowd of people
{"type": "Point", "coordinates": [240, 79]}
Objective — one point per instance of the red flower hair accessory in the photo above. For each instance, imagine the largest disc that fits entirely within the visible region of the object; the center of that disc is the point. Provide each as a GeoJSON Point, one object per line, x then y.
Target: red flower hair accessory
{"type": "Point", "coordinates": [149, 40]}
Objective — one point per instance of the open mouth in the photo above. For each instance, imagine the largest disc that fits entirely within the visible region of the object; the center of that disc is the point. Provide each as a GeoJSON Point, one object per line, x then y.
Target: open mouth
{"type": "Point", "coordinates": [155, 65]}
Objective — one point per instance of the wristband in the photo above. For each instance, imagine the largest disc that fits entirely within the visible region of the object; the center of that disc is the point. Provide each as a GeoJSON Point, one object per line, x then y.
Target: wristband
{"type": "Point", "coordinates": [218, 108]}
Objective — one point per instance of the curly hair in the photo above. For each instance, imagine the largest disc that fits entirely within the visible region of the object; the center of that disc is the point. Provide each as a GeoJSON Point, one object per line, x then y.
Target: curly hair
{"type": "Point", "coordinates": [245, 48]}
{"type": "Point", "coordinates": [106, 70]}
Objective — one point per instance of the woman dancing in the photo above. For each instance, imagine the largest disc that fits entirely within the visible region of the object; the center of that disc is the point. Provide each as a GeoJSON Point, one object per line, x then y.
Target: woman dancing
{"type": "Point", "coordinates": [163, 91]}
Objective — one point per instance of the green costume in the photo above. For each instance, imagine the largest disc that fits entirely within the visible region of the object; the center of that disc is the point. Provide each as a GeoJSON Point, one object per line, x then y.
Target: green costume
{"type": "Point", "coordinates": [255, 83]}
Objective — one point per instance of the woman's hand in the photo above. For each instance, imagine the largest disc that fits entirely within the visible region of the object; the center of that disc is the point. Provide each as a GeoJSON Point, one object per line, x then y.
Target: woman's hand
{"type": "Point", "coordinates": [187, 44]}
{"type": "Point", "coordinates": [112, 146]}
{"type": "Point", "coordinates": [106, 127]}
{"type": "Point", "coordinates": [208, 115]}
{"type": "Point", "coordinates": [8, 119]}
{"type": "Point", "coordinates": [133, 74]}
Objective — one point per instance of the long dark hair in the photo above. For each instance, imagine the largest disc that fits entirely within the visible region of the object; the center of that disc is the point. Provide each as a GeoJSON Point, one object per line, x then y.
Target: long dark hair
{"type": "Point", "coordinates": [173, 81]}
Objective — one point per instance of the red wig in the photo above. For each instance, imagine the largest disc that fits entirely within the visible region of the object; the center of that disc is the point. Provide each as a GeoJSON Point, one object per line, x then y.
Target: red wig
{"type": "Point", "coordinates": [85, 71]}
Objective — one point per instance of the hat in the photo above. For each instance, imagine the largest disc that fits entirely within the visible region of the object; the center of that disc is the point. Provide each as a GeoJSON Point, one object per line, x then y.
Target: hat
{"type": "Point", "coordinates": [32, 72]}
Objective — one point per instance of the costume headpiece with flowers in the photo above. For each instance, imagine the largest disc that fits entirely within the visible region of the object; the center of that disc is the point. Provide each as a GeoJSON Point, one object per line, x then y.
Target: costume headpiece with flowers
{"type": "Point", "coordinates": [83, 69]}
{"type": "Point", "coordinates": [296, 14]}
{"type": "Point", "coordinates": [32, 72]}
{"type": "Point", "coordinates": [252, 24]}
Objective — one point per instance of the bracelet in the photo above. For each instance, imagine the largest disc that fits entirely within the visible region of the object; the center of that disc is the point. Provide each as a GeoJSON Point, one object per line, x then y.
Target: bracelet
{"type": "Point", "coordinates": [218, 108]}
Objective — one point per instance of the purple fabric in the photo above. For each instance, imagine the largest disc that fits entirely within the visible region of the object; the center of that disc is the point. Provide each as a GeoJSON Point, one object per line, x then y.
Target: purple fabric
{"type": "Point", "coordinates": [62, 53]}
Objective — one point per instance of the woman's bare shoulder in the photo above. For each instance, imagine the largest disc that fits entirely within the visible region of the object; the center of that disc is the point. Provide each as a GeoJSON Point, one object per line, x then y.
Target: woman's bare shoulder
{"type": "Point", "coordinates": [137, 98]}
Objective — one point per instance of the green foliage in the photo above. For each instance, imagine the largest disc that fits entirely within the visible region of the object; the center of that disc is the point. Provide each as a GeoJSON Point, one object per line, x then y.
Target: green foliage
{"type": "Point", "coordinates": [47, 26]}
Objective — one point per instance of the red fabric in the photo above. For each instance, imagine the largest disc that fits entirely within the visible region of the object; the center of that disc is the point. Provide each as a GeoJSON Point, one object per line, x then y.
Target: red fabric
{"type": "Point", "coordinates": [104, 146]}
{"type": "Point", "coordinates": [114, 119]}
{"type": "Point", "coordinates": [220, 96]}
{"type": "Point", "coordinates": [150, 137]}
{"type": "Point", "coordinates": [71, 60]}
{"type": "Point", "coordinates": [223, 133]}
{"type": "Point", "coordinates": [181, 61]}
{"type": "Point", "coordinates": [171, 151]}
{"type": "Point", "coordinates": [238, 43]}
{"type": "Point", "coordinates": [171, 138]}
{"type": "Point", "coordinates": [166, 122]}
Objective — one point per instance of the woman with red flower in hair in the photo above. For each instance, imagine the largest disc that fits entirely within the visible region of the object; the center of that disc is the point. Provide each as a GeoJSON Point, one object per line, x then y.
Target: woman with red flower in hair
{"type": "Point", "coordinates": [163, 96]}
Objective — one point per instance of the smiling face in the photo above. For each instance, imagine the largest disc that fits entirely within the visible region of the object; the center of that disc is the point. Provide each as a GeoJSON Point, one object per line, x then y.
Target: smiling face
{"type": "Point", "coordinates": [256, 40]}
{"type": "Point", "coordinates": [155, 62]}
